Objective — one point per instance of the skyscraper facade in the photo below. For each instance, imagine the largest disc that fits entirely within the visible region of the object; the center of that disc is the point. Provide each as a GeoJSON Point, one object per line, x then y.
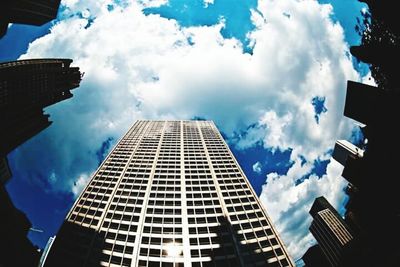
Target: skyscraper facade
{"type": "Point", "coordinates": [26, 87]}
{"type": "Point", "coordinates": [331, 231]}
{"type": "Point", "coordinates": [170, 193]}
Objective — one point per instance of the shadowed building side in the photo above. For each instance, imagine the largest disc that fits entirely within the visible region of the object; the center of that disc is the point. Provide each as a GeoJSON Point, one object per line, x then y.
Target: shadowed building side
{"type": "Point", "coordinates": [34, 12]}
{"type": "Point", "coordinates": [331, 232]}
{"type": "Point", "coordinates": [15, 247]}
{"type": "Point", "coordinates": [371, 170]}
{"type": "Point", "coordinates": [314, 257]}
{"type": "Point", "coordinates": [26, 87]}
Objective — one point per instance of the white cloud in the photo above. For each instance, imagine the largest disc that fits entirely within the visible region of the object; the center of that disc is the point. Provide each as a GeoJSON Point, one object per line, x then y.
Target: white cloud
{"type": "Point", "coordinates": [86, 14]}
{"type": "Point", "coordinates": [309, 61]}
{"type": "Point", "coordinates": [69, 3]}
{"type": "Point", "coordinates": [368, 79]}
{"type": "Point", "coordinates": [53, 178]}
{"type": "Point", "coordinates": [152, 3]}
{"type": "Point", "coordinates": [141, 66]}
{"type": "Point", "coordinates": [289, 205]}
{"type": "Point", "coordinates": [208, 2]}
{"type": "Point", "coordinates": [80, 184]}
{"type": "Point", "coordinates": [257, 167]}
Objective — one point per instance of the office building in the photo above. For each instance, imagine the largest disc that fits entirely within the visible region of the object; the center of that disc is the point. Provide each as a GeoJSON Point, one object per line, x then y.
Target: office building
{"type": "Point", "coordinates": [170, 193]}
{"type": "Point", "coordinates": [350, 156]}
{"type": "Point", "coordinates": [344, 150]}
{"type": "Point", "coordinates": [314, 257]}
{"type": "Point", "coordinates": [331, 232]}
{"type": "Point", "coordinates": [26, 87]}
{"type": "Point", "coordinates": [34, 12]}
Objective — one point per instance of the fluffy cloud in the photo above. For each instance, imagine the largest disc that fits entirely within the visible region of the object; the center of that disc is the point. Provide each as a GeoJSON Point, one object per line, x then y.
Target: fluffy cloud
{"type": "Point", "coordinates": [79, 184]}
{"type": "Point", "coordinates": [257, 167]}
{"type": "Point", "coordinates": [289, 205]}
{"type": "Point", "coordinates": [149, 67]}
{"type": "Point", "coordinates": [208, 2]}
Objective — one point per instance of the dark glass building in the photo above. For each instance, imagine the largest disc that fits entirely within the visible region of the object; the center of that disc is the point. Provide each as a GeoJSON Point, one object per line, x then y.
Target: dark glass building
{"type": "Point", "coordinates": [314, 257]}
{"type": "Point", "coordinates": [34, 12]}
{"type": "Point", "coordinates": [331, 232]}
{"type": "Point", "coordinates": [26, 87]}
{"type": "Point", "coordinates": [371, 168]}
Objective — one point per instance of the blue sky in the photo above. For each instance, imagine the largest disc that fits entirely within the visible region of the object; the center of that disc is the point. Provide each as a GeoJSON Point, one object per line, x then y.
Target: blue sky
{"type": "Point", "coordinates": [271, 74]}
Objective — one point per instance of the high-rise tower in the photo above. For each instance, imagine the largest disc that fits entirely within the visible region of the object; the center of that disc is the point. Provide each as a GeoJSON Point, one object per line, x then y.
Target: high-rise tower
{"type": "Point", "coordinates": [26, 87]}
{"type": "Point", "coordinates": [332, 233]}
{"type": "Point", "coordinates": [169, 194]}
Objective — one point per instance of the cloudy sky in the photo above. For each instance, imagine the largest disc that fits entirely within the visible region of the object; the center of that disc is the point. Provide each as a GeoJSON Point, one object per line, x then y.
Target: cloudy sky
{"type": "Point", "coordinates": [271, 74]}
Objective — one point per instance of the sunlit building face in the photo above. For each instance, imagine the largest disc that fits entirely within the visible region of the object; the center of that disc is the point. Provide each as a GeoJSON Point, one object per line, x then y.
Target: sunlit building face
{"type": "Point", "coordinates": [169, 194]}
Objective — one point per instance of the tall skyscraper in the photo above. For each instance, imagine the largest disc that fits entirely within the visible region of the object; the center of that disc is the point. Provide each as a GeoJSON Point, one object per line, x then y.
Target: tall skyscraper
{"type": "Point", "coordinates": [170, 193]}
{"type": "Point", "coordinates": [330, 230]}
{"type": "Point", "coordinates": [34, 12]}
{"type": "Point", "coordinates": [26, 87]}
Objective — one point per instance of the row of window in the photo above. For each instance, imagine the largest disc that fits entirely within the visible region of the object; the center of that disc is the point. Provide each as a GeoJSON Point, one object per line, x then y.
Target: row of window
{"type": "Point", "coordinates": [124, 216]}
{"type": "Point", "coordinates": [113, 259]}
{"type": "Point", "coordinates": [176, 230]}
{"type": "Point", "coordinates": [207, 252]}
{"type": "Point", "coordinates": [207, 219]}
{"type": "Point", "coordinates": [154, 252]}
{"type": "Point", "coordinates": [153, 240]}
{"type": "Point", "coordinates": [201, 211]}
{"type": "Point", "coordinates": [125, 209]}
{"type": "Point", "coordinates": [163, 220]}
{"type": "Point", "coordinates": [166, 211]}
{"type": "Point", "coordinates": [119, 226]}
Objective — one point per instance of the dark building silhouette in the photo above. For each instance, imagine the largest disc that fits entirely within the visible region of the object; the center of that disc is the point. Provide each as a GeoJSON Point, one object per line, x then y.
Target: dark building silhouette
{"type": "Point", "coordinates": [314, 257]}
{"type": "Point", "coordinates": [380, 43]}
{"type": "Point", "coordinates": [371, 166]}
{"type": "Point", "coordinates": [5, 173]}
{"type": "Point", "coordinates": [331, 232]}
{"type": "Point", "coordinates": [15, 247]}
{"type": "Point", "coordinates": [344, 151]}
{"type": "Point", "coordinates": [26, 87]}
{"type": "Point", "coordinates": [34, 12]}
{"type": "Point", "coordinates": [383, 12]}
{"type": "Point", "coordinates": [372, 170]}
